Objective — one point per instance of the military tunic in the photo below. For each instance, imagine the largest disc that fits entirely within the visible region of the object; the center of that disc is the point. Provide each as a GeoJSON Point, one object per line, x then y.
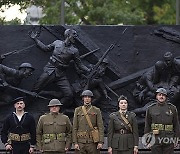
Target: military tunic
{"type": "Point", "coordinates": [14, 130]}
{"type": "Point", "coordinates": [120, 137]}
{"type": "Point", "coordinates": [81, 129]}
{"type": "Point", "coordinates": [54, 133]}
{"type": "Point", "coordinates": [162, 119]}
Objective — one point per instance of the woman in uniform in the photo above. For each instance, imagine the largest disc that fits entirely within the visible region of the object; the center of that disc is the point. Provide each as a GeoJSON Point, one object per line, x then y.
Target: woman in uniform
{"type": "Point", "coordinates": [123, 130]}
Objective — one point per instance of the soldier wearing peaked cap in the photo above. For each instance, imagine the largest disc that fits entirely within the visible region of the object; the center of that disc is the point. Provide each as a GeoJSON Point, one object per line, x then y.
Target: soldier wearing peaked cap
{"type": "Point", "coordinates": [19, 131]}
{"type": "Point", "coordinates": [162, 121]}
{"type": "Point", "coordinates": [123, 130]}
{"type": "Point", "coordinates": [54, 130]}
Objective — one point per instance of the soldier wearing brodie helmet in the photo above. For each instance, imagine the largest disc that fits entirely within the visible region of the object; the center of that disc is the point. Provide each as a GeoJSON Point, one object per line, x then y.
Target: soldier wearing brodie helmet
{"type": "Point", "coordinates": [86, 119]}
{"type": "Point", "coordinates": [54, 130]}
{"type": "Point", "coordinates": [55, 70]}
{"type": "Point", "coordinates": [162, 120]}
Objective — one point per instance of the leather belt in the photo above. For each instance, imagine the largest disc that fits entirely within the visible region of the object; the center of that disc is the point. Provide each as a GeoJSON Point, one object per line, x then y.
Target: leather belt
{"type": "Point", "coordinates": [84, 135]}
{"type": "Point", "coordinates": [161, 127]}
{"type": "Point", "coordinates": [17, 137]}
{"type": "Point", "coordinates": [54, 136]}
{"type": "Point", "coordinates": [57, 64]}
{"type": "Point", "coordinates": [122, 131]}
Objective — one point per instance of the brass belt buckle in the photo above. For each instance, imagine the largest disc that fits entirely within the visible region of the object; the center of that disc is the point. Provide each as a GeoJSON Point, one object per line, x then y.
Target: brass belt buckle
{"type": "Point", "coordinates": [155, 131]}
{"type": "Point", "coordinates": [122, 131]}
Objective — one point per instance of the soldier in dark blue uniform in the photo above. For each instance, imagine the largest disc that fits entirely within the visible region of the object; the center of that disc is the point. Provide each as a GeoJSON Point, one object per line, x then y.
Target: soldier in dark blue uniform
{"type": "Point", "coordinates": [19, 130]}
{"type": "Point", "coordinates": [123, 130]}
{"type": "Point", "coordinates": [162, 121]}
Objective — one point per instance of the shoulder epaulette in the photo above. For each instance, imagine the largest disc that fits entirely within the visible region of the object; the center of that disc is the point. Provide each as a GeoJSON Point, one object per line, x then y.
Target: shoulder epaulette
{"type": "Point", "coordinates": [77, 108]}
{"type": "Point", "coordinates": [171, 104]}
{"type": "Point", "coordinates": [151, 105]}
{"type": "Point", "coordinates": [134, 114]}
{"type": "Point", "coordinates": [95, 107]}
{"type": "Point", "coordinates": [113, 114]}
{"type": "Point", "coordinates": [65, 115]}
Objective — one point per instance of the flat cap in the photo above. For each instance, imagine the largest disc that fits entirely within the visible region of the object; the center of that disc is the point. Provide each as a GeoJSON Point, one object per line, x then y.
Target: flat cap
{"type": "Point", "coordinates": [18, 99]}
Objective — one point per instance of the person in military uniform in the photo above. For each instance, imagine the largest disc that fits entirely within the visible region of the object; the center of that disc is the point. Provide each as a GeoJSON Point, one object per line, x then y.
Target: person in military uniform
{"type": "Point", "coordinates": [55, 70]}
{"type": "Point", "coordinates": [19, 131]}
{"type": "Point", "coordinates": [82, 131]}
{"type": "Point", "coordinates": [162, 121]}
{"type": "Point", "coordinates": [123, 135]}
{"type": "Point", "coordinates": [54, 131]}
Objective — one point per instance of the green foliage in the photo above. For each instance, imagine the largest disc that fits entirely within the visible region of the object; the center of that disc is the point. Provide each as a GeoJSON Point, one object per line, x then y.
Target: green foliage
{"type": "Point", "coordinates": [15, 21]}
{"type": "Point", "coordinates": [105, 12]}
{"type": "Point", "coordinates": [164, 14]}
{"type": "Point", "coordinates": [159, 12]}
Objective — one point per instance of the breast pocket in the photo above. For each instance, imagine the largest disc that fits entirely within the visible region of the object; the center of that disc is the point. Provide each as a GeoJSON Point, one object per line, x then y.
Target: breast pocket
{"type": "Point", "coordinates": [169, 117]}
{"type": "Point", "coordinates": [156, 117]}
{"type": "Point", "coordinates": [61, 127]}
{"type": "Point", "coordinates": [93, 117]}
{"type": "Point", "coordinates": [48, 126]}
{"type": "Point", "coordinates": [80, 119]}
{"type": "Point", "coordinates": [118, 124]}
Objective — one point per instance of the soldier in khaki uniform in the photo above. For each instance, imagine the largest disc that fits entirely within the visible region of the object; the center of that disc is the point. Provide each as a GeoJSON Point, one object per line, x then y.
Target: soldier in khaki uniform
{"type": "Point", "coordinates": [82, 136]}
{"type": "Point", "coordinates": [123, 130]}
{"type": "Point", "coordinates": [162, 121]}
{"type": "Point", "coordinates": [54, 131]}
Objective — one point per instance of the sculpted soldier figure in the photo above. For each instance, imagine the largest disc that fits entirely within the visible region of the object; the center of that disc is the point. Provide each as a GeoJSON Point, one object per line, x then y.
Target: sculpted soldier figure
{"type": "Point", "coordinates": [19, 132]}
{"type": "Point", "coordinates": [55, 70]}
{"type": "Point", "coordinates": [149, 82]}
{"type": "Point", "coordinates": [162, 121]}
{"type": "Point", "coordinates": [95, 84]}
{"type": "Point", "coordinates": [123, 130]}
{"type": "Point", "coordinates": [54, 130]}
{"type": "Point", "coordinates": [13, 77]}
{"type": "Point", "coordinates": [88, 120]}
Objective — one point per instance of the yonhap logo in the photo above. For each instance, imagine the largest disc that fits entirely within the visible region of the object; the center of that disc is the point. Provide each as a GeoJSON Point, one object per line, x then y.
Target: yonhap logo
{"type": "Point", "coordinates": [148, 140]}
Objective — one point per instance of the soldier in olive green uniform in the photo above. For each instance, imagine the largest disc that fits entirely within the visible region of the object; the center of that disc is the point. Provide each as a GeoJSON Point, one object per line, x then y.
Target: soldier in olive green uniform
{"type": "Point", "coordinates": [54, 131]}
{"type": "Point", "coordinates": [82, 136]}
{"type": "Point", "coordinates": [123, 135]}
{"type": "Point", "coordinates": [162, 121]}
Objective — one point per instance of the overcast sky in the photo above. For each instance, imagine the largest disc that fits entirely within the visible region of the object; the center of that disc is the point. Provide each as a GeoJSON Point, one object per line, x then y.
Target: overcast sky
{"type": "Point", "coordinates": [12, 13]}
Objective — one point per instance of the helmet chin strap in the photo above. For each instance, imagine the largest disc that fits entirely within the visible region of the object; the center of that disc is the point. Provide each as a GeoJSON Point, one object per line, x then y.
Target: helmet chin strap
{"type": "Point", "coordinates": [87, 103]}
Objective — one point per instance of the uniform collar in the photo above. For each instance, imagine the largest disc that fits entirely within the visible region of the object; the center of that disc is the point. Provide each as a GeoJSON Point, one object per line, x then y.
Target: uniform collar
{"type": "Point", "coordinates": [54, 114]}
{"type": "Point", "coordinates": [123, 112]}
{"type": "Point", "coordinates": [87, 106]}
{"type": "Point", "coordinates": [161, 104]}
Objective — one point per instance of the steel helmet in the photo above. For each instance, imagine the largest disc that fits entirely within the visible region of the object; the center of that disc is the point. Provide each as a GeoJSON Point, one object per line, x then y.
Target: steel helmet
{"type": "Point", "coordinates": [87, 93]}
{"type": "Point", "coordinates": [159, 65]}
{"type": "Point", "coordinates": [54, 102]}
{"type": "Point", "coordinates": [168, 56]}
{"type": "Point", "coordinates": [69, 32]}
{"type": "Point", "coordinates": [162, 91]}
{"type": "Point", "coordinates": [26, 65]}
